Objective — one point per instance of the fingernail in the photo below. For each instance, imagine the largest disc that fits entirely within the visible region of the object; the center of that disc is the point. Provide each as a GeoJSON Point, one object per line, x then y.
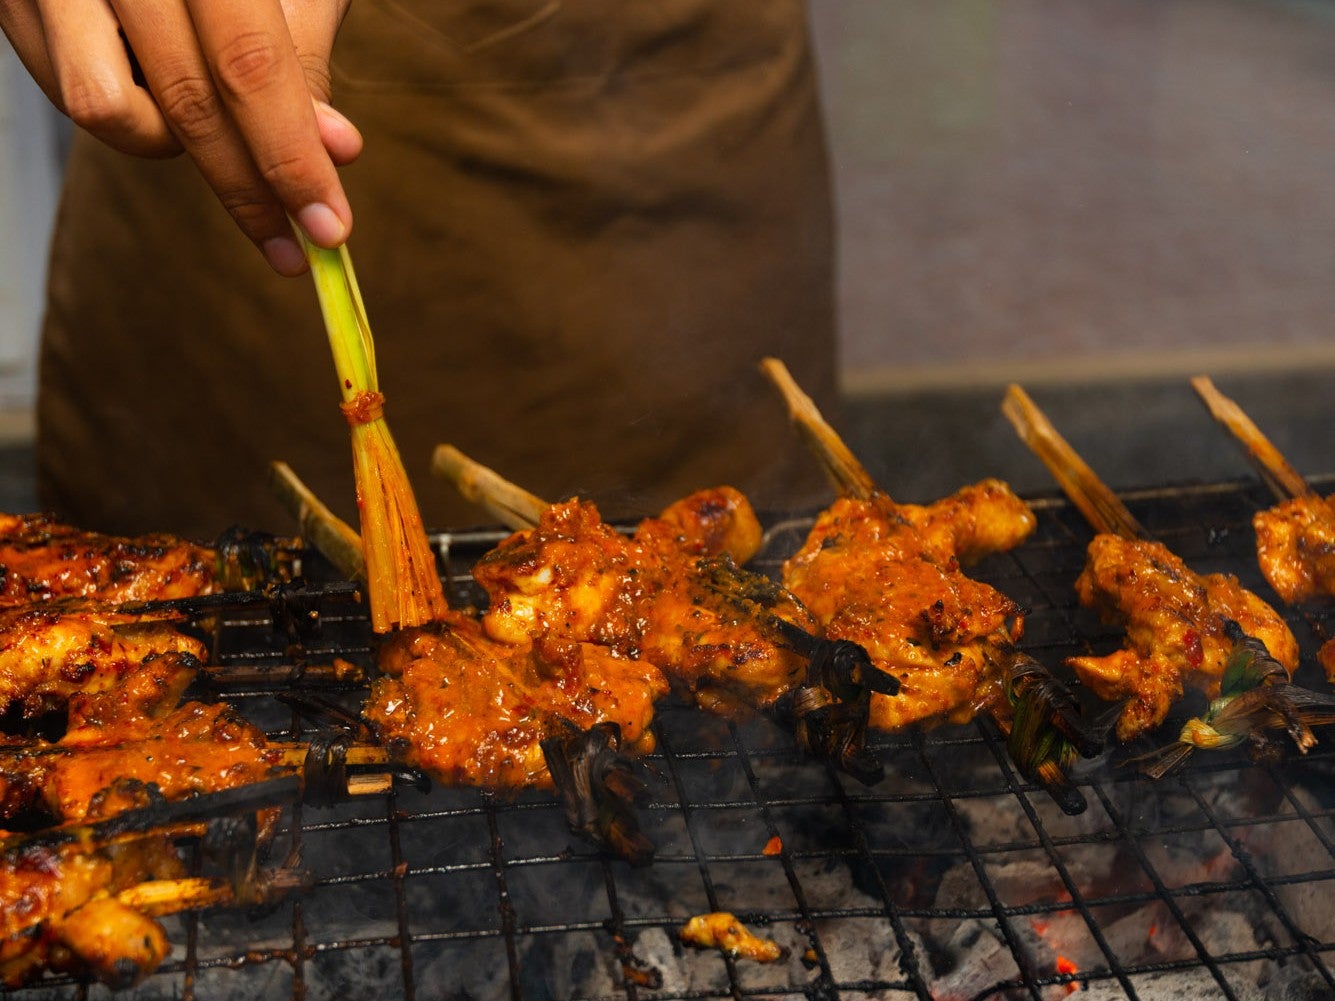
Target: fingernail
{"type": "Point", "coordinates": [284, 256]}
{"type": "Point", "coordinates": [322, 225]}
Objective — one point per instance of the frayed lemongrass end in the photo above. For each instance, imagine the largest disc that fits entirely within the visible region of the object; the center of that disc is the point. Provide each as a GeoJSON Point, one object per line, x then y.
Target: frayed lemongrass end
{"type": "Point", "coordinates": [401, 576]}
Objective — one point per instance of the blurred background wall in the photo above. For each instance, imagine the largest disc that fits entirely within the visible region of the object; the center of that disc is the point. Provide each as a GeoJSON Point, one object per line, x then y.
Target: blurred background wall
{"type": "Point", "coordinates": [1097, 199]}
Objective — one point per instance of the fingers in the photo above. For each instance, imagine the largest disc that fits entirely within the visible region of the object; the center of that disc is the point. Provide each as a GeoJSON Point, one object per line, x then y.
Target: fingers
{"type": "Point", "coordinates": [236, 97]}
{"type": "Point", "coordinates": [313, 25]}
{"type": "Point", "coordinates": [75, 53]}
{"type": "Point", "coordinates": [264, 88]}
{"type": "Point", "coordinates": [239, 84]}
{"type": "Point", "coordinates": [23, 27]}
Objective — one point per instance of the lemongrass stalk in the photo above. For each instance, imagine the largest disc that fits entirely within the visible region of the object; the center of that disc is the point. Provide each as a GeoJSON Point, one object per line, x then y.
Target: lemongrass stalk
{"type": "Point", "coordinates": [401, 577]}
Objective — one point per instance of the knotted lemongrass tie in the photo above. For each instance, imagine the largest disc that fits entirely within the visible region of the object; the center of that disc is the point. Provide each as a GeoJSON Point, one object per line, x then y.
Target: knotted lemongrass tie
{"type": "Point", "coordinates": [401, 576]}
{"type": "Point", "coordinates": [364, 408]}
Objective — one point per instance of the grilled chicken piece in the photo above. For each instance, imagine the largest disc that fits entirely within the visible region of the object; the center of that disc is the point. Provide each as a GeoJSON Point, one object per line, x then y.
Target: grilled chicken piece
{"type": "Point", "coordinates": [1176, 628]}
{"type": "Point", "coordinates": [887, 576]}
{"type": "Point", "coordinates": [574, 578]}
{"type": "Point", "coordinates": [41, 558]}
{"type": "Point", "coordinates": [1295, 546]}
{"type": "Point", "coordinates": [471, 710]}
{"type": "Point", "coordinates": [52, 650]}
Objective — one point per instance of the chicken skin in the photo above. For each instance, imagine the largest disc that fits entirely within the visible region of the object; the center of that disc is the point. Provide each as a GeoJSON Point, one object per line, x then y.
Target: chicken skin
{"type": "Point", "coordinates": [51, 650]}
{"type": "Point", "coordinates": [194, 748]}
{"type": "Point", "coordinates": [61, 912]}
{"type": "Point", "coordinates": [1295, 547]}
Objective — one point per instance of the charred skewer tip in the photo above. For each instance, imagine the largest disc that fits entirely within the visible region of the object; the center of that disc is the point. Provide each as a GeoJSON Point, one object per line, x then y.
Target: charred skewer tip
{"type": "Point", "coordinates": [599, 789]}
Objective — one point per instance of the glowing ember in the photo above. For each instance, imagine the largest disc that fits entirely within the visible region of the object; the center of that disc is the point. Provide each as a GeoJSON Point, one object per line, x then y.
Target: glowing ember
{"type": "Point", "coordinates": [773, 846]}
{"type": "Point", "coordinates": [1065, 966]}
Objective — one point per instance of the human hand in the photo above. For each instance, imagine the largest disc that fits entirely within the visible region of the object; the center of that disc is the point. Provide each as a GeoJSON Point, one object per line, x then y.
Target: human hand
{"type": "Point", "coordinates": [241, 85]}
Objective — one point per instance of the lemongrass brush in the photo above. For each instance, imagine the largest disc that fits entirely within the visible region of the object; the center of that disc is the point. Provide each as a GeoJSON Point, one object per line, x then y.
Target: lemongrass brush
{"type": "Point", "coordinates": [401, 577]}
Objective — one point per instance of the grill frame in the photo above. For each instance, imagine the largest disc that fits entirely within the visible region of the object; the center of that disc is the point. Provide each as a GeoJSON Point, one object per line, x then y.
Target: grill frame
{"type": "Point", "coordinates": [726, 789]}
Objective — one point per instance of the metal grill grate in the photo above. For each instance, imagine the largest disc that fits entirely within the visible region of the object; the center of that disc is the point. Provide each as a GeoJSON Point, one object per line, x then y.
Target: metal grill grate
{"type": "Point", "coordinates": [952, 878]}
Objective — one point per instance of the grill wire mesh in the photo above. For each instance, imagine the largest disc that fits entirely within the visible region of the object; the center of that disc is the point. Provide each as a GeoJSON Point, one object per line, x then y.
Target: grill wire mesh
{"type": "Point", "coordinates": [951, 878]}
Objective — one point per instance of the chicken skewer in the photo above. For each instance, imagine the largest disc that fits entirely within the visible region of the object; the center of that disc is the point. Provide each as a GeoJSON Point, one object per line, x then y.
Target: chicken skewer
{"type": "Point", "coordinates": [195, 748]}
{"type": "Point", "coordinates": [83, 897]}
{"type": "Point", "coordinates": [1181, 627]}
{"type": "Point", "coordinates": [1295, 539]}
{"type": "Point", "coordinates": [117, 680]}
{"type": "Point", "coordinates": [888, 576]}
{"type": "Point", "coordinates": [471, 710]}
{"type": "Point", "coordinates": [672, 594]}
{"type": "Point", "coordinates": [41, 558]}
{"type": "Point", "coordinates": [491, 690]}
{"type": "Point", "coordinates": [54, 651]}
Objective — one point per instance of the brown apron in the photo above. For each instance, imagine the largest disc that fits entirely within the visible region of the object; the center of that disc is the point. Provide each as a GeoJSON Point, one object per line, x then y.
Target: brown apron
{"type": "Point", "coordinates": [580, 224]}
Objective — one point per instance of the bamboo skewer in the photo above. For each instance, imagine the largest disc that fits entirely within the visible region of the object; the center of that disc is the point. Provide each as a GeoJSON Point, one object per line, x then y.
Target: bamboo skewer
{"type": "Point", "coordinates": [363, 784]}
{"type": "Point", "coordinates": [324, 530]}
{"type": "Point", "coordinates": [1103, 508]}
{"type": "Point", "coordinates": [290, 755]}
{"type": "Point", "coordinates": [282, 675]}
{"type": "Point", "coordinates": [849, 476]}
{"type": "Point", "coordinates": [510, 504]}
{"type": "Point", "coordinates": [1285, 481]}
{"type": "Point", "coordinates": [157, 898]}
